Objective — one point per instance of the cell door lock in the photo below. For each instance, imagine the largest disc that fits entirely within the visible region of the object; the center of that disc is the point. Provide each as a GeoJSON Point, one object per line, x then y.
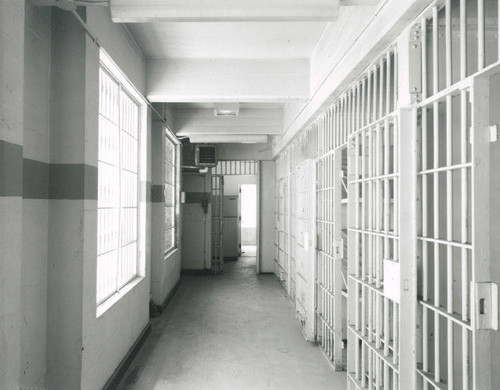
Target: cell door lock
{"type": "Point", "coordinates": [484, 305]}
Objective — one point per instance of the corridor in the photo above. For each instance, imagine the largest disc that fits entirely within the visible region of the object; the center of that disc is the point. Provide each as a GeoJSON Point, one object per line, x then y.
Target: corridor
{"type": "Point", "coordinates": [233, 331]}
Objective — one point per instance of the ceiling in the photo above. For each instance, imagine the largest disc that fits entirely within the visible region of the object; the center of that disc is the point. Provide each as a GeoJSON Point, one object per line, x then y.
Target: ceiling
{"type": "Point", "coordinates": [194, 64]}
{"type": "Point", "coordinates": [228, 39]}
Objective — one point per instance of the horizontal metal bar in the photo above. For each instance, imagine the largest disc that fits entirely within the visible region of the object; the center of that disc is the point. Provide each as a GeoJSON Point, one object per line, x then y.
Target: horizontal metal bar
{"type": "Point", "coordinates": [429, 377]}
{"type": "Point", "coordinates": [374, 233]}
{"type": "Point", "coordinates": [387, 359]}
{"type": "Point", "coordinates": [445, 242]}
{"type": "Point", "coordinates": [392, 116]}
{"type": "Point", "coordinates": [451, 316]}
{"type": "Point", "coordinates": [372, 287]}
{"type": "Point", "coordinates": [374, 178]}
{"type": "Point", "coordinates": [445, 169]}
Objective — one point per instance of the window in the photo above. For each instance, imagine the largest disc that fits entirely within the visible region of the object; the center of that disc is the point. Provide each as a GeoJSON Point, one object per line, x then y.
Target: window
{"type": "Point", "coordinates": [118, 179]}
{"type": "Point", "coordinates": [170, 194]}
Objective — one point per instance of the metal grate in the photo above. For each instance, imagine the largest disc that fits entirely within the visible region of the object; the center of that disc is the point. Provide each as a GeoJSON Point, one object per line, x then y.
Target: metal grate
{"type": "Point", "coordinates": [243, 167]}
{"type": "Point", "coordinates": [373, 180]}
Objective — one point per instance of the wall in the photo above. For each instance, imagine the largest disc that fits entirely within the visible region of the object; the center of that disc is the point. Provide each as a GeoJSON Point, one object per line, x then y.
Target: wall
{"type": "Point", "coordinates": [108, 338]}
{"type": "Point", "coordinates": [11, 210]}
{"type": "Point", "coordinates": [35, 203]}
{"type": "Point", "coordinates": [266, 216]}
{"type": "Point", "coordinates": [244, 151]}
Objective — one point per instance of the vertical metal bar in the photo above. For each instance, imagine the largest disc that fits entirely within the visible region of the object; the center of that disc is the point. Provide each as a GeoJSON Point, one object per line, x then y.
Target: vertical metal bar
{"type": "Point", "coordinates": [481, 267]}
{"type": "Point", "coordinates": [435, 50]}
{"type": "Point", "coordinates": [480, 35]}
{"type": "Point", "coordinates": [448, 26]}
{"type": "Point", "coordinates": [449, 237]}
{"type": "Point", "coordinates": [464, 232]}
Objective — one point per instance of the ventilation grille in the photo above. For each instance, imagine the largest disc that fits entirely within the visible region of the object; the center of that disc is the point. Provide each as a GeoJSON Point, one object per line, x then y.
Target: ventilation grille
{"type": "Point", "coordinates": [205, 156]}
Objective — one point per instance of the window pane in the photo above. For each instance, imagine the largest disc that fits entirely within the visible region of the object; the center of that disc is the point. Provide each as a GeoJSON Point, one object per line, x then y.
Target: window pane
{"type": "Point", "coordinates": [170, 192]}
{"type": "Point", "coordinates": [117, 201]}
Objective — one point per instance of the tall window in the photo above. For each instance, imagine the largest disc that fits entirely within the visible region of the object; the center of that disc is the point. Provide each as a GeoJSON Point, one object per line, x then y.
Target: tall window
{"type": "Point", "coordinates": [117, 202]}
{"type": "Point", "coordinates": [170, 155]}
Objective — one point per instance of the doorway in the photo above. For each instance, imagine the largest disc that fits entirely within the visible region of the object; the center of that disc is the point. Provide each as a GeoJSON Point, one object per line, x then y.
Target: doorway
{"type": "Point", "coordinates": [248, 220]}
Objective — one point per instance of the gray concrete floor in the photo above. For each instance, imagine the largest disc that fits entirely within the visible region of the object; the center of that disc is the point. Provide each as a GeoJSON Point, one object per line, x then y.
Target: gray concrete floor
{"type": "Point", "coordinates": [233, 331]}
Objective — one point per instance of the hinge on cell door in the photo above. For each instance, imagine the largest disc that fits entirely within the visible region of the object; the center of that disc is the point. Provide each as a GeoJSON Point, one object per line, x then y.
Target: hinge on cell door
{"type": "Point", "coordinates": [415, 62]}
{"type": "Point", "coordinates": [339, 248]}
{"type": "Point", "coordinates": [484, 305]}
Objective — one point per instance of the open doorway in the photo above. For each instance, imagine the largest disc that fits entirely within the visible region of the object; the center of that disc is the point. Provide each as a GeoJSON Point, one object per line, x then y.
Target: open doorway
{"type": "Point", "coordinates": [239, 201]}
{"type": "Point", "coordinates": [240, 216]}
{"type": "Point", "coordinates": [248, 220]}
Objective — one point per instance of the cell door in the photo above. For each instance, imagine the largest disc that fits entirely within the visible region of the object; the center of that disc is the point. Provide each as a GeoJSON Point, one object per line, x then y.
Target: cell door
{"type": "Point", "coordinates": [458, 308]}
{"type": "Point", "coordinates": [331, 267]}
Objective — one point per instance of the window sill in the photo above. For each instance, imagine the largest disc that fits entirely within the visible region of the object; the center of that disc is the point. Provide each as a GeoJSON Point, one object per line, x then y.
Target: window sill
{"type": "Point", "coordinates": [108, 303]}
{"type": "Point", "coordinates": [170, 253]}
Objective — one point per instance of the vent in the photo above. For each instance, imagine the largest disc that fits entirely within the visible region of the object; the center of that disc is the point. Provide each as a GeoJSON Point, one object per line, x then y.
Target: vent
{"type": "Point", "coordinates": [205, 156]}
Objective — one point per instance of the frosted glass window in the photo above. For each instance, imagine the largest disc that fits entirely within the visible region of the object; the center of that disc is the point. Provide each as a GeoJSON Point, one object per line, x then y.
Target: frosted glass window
{"type": "Point", "coordinates": [117, 199]}
{"type": "Point", "coordinates": [170, 161]}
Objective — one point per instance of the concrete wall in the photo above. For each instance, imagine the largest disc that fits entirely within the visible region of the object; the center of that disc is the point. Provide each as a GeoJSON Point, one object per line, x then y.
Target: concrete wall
{"type": "Point", "coordinates": [11, 203]}
{"type": "Point", "coordinates": [48, 202]}
{"type": "Point", "coordinates": [266, 216]}
{"type": "Point", "coordinates": [35, 204]}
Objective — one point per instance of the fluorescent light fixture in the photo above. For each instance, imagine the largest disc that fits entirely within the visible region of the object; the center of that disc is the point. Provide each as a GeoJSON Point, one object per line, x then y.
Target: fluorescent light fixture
{"type": "Point", "coordinates": [226, 109]}
{"type": "Point", "coordinates": [228, 138]}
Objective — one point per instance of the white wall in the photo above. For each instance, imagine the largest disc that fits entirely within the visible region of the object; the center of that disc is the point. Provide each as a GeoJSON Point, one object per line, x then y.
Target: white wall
{"type": "Point", "coordinates": [108, 338]}
{"type": "Point", "coordinates": [35, 207]}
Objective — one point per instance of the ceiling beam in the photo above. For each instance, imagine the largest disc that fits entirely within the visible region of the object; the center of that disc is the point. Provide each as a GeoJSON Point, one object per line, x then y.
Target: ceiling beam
{"type": "Point", "coordinates": [228, 138]}
{"type": "Point", "coordinates": [226, 80]}
{"type": "Point", "coordinates": [263, 121]}
{"type": "Point", "coordinates": [134, 11]}
{"type": "Point", "coordinates": [358, 2]}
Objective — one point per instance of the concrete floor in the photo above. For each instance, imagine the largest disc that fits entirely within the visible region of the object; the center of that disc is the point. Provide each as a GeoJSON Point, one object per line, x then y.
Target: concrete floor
{"type": "Point", "coordinates": [234, 331]}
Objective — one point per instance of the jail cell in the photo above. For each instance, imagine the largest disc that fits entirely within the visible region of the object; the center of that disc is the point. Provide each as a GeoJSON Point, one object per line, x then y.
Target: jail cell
{"type": "Point", "coordinates": [458, 39]}
{"type": "Point", "coordinates": [373, 182]}
{"type": "Point", "coordinates": [305, 248]}
{"type": "Point", "coordinates": [282, 231]}
{"type": "Point", "coordinates": [293, 236]}
{"type": "Point", "coordinates": [217, 223]}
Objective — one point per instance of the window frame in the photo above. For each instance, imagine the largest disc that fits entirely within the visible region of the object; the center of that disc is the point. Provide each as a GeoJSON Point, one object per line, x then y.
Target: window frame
{"type": "Point", "coordinates": [108, 66]}
{"type": "Point", "coordinates": [175, 188]}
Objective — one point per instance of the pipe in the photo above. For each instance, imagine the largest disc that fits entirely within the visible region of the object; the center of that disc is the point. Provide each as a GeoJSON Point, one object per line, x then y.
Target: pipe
{"type": "Point", "coordinates": [98, 43]}
{"type": "Point", "coordinates": [203, 171]}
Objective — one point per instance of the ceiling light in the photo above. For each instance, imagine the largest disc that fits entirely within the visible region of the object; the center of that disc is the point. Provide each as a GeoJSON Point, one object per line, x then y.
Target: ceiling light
{"type": "Point", "coordinates": [226, 109]}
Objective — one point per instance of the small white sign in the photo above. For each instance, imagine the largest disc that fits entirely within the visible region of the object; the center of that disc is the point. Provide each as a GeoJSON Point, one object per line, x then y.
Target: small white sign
{"type": "Point", "coordinates": [392, 280]}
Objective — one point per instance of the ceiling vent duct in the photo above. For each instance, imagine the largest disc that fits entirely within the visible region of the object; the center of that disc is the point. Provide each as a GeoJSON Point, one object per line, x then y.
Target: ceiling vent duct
{"type": "Point", "coordinates": [205, 156]}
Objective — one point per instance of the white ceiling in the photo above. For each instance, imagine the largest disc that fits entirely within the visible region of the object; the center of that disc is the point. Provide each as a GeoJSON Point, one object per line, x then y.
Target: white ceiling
{"type": "Point", "coordinates": [228, 39]}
